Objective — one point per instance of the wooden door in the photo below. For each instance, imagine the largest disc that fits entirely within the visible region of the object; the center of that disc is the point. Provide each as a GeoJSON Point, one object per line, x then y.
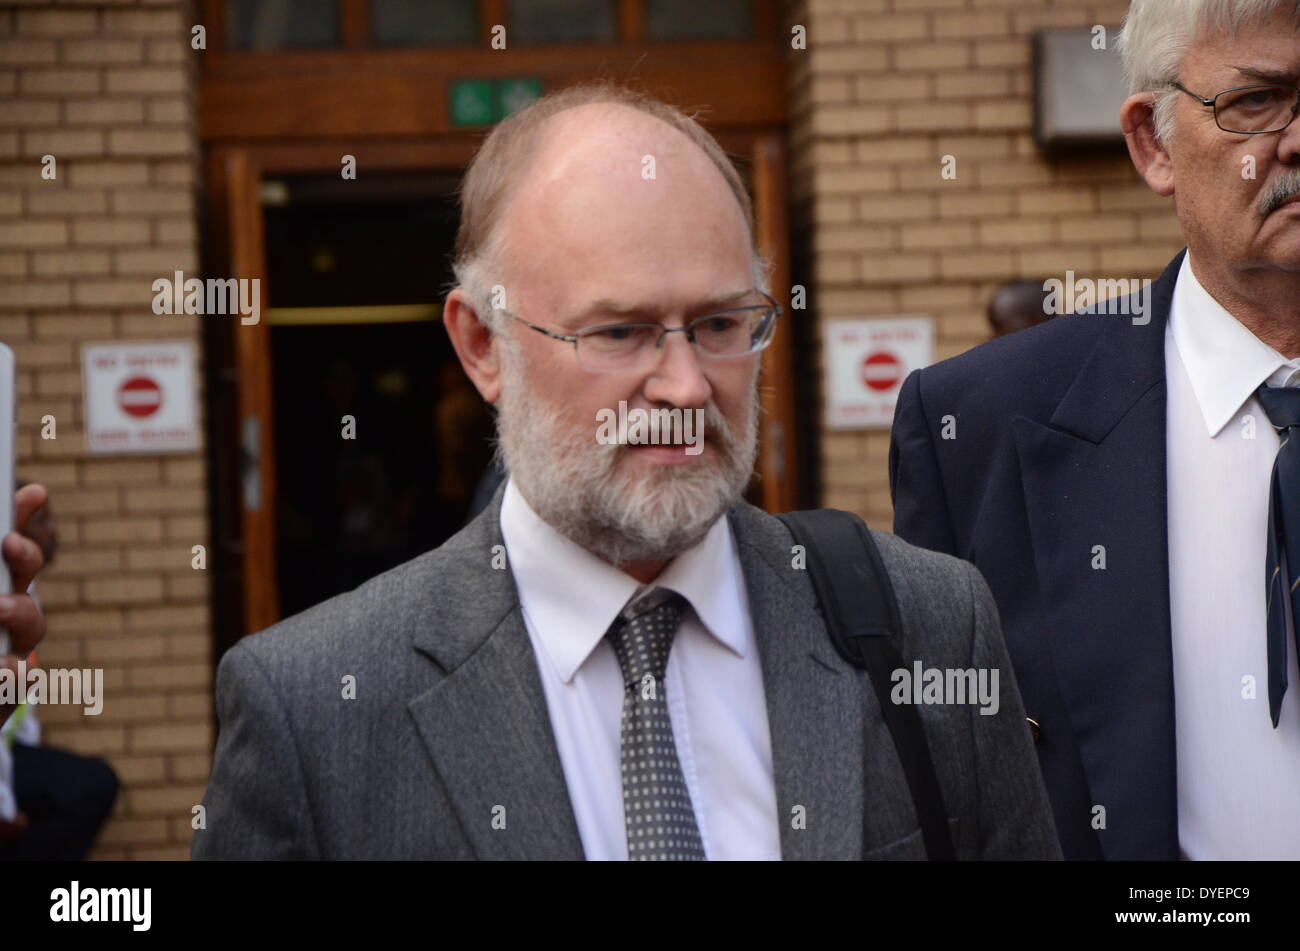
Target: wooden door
{"type": "Point", "coordinates": [240, 229]}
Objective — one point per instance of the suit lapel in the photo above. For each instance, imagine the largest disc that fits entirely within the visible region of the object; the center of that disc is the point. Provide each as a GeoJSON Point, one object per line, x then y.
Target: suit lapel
{"type": "Point", "coordinates": [830, 747]}
{"type": "Point", "coordinates": [1094, 483]}
{"type": "Point", "coordinates": [486, 725]}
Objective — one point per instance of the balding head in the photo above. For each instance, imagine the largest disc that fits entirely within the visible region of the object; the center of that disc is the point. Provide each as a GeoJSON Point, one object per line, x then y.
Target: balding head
{"type": "Point", "coordinates": [618, 205]}
{"type": "Point", "coordinates": [511, 156]}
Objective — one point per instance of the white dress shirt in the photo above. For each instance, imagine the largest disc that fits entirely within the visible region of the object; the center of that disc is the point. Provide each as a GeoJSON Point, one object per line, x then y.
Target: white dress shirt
{"type": "Point", "coordinates": [713, 684]}
{"type": "Point", "coordinates": [1238, 778]}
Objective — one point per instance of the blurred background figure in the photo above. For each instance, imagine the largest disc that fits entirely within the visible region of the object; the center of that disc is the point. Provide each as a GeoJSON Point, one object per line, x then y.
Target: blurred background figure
{"type": "Point", "coordinates": [52, 802]}
{"type": "Point", "coordinates": [1017, 306]}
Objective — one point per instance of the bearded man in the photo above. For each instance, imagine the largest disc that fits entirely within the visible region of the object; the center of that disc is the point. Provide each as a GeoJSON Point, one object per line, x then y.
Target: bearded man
{"type": "Point", "coordinates": [617, 658]}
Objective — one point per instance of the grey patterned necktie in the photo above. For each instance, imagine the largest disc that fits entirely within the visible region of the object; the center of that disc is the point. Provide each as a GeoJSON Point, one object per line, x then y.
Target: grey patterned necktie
{"type": "Point", "coordinates": [656, 803]}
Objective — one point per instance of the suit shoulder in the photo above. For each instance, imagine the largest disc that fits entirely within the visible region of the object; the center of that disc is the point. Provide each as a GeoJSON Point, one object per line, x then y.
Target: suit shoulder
{"type": "Point", "coordinates": [1039, 359]}
{"type": "Point", "coordinates": [912, 567]}
{"type": "Point", "coordinates": [372, 620]}
{"type": "Point", "coordinates": [936, 592]}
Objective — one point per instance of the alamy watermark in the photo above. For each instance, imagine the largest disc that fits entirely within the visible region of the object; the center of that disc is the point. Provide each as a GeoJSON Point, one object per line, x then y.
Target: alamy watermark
{"type": "Point", "coordinates": [1114, 296]}
{"type": "Point", "coordinates": [948, 685]}
{"type": "Point", "coordinates": [651, 427]}
{"type": "Point", "coordinates": [216, 295]}
{"type": "Point", "coordinates": [82, 687]}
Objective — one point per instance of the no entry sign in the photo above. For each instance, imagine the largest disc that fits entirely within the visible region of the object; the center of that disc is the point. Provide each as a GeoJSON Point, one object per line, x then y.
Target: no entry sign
{"type": "Point", "coordinates": [867, 361]}
{"type": "Point", "coordinates": [140, 397]}
{"type": "Point", "coordinates": [882, 371]}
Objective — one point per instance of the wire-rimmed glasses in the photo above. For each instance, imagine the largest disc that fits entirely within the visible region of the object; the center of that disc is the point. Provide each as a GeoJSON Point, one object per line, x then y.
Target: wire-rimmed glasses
{"type": "Point", "coordinates": [610, 348]}
{"type": "Point", "coordinates": [1251, 110]}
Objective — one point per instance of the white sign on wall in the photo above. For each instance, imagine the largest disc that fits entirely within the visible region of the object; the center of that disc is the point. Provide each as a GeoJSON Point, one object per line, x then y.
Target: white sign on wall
{"type": "Point", "coordinates": [867, 361]}
{"type": "Point", "coordinates": [139, 397]}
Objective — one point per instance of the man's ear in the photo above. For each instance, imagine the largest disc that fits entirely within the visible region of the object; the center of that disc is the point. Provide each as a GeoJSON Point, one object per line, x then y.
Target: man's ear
{"type": "Point", "coordinates": [1149, 154]}
{"type": "Point", "coordinates": [473, 344]}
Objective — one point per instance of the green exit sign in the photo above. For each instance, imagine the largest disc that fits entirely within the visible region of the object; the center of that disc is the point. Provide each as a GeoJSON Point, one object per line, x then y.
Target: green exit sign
{"type": "Point", "coordinates": [485, 101]}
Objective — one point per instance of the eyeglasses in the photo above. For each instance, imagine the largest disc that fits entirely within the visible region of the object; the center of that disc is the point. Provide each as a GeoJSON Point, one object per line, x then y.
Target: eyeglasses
{"type": "Point", "coordinates": [611, 348]}
{"type": "Point", "coordinates": [1251, 110]}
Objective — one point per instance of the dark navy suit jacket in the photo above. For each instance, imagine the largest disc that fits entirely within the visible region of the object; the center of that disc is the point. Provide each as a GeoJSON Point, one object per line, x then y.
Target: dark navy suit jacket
{"type": "Point", "coordinates": [1060, 448]}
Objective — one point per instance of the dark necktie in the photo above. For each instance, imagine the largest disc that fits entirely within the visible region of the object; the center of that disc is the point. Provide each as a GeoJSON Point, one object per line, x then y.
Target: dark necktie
{"type": "Point", "coordinates": [656, 803]}
{"type": "Point", "coordinates": [1282, 404]}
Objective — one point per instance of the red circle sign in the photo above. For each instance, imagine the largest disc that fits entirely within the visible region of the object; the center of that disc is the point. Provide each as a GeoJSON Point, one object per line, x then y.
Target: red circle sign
{"type": "Point", "coordinates": [139, 396]}
{"type": "Point", "coordinates": [882, 370]}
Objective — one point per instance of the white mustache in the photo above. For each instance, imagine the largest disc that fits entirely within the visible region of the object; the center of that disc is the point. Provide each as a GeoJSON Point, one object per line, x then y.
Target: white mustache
{"type": "Point", "coordinates": [1282, 190]}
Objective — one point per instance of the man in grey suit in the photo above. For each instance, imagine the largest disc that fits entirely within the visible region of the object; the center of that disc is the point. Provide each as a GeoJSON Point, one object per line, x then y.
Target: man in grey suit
{"type": "Point", "coordinates": [619, 658]}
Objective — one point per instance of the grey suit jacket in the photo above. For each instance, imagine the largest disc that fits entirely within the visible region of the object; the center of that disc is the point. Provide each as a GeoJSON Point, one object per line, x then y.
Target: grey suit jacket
{"type": "Point", "coordinates": [449, 733]}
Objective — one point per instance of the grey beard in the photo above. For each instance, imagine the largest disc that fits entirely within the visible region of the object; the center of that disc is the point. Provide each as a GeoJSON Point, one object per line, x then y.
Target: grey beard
{"type": "Point", "coordinates": [573, 483]}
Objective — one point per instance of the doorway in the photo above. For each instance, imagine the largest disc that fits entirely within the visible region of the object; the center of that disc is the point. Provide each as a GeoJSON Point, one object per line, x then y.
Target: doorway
{"type": "Point", "coordinates": [380, 438]}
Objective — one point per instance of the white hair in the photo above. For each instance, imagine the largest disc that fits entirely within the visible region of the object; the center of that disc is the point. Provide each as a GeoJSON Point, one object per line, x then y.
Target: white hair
{"type": "Point", "coordinates": [1157, 34]}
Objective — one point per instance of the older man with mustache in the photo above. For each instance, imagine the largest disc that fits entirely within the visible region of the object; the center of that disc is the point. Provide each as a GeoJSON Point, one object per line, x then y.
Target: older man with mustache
{"type": "Point", "coordinates": [619, 658]}
{"type": "Point", "coordinates": [1130, 486]}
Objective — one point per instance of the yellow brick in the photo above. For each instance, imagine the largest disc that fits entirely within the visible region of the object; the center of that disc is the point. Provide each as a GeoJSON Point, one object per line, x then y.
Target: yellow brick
{"type": "Point", "coordinates": [174, 737]}
{"type": "Point", "coordinates": [30, 234]}
{"type": "Point", "coordinates": [1004, 114]}
{"type": "Point", "coordinates": [103, 111]}
{"type": "Point", "coordinates": [124, 589]}
{"type": "Point", "coordinates": [896, 208]}
{"type": "Point", "coordinates": [1015, 232]}
{"type": "Point", "coordinates": [67, 263]}
{"type": "Point", "coordinates": [178, 799]}
{"type": "Point", "coordinates": [1038, 201]}
{"type": "Point", "coordinates": [150, 142]}
{"type": "Point", "coordinates": [170, 618]}
{"type": "Point", "coordinates": [850, 120]}
{"type": "Point", "coordinates": [164, 499]}
{"type": "Point", "coordinates": [837, 180]}
{"type": "Point", "coordinates": [136, 770]}
{"type": "Point", "coordinates": [945, 235]}
{"type": "Point", "coordinates": [187, 587]}
{"type": "Point", "coordinates": [115, 650]}
{"type": "Point", "coordinates": [970, 25]}
{"type": "Point", "coordinates": [109, 231]}
{"type": "Point", "coordinates": [103, 50]}
{"type": "Point", "coordinates": [64, 143]}
{"type": "Point", "coordinates": [976, 264]}
{"type": "Point", "coordinates": [897, 268]}
{"type": "Point", "coordinates": [121, 831]}
{"type": "Point", "coordinates": [134, 529]}
{"type": "Point", "coordinates": [117, 172]}
{"type": "Point", "coordinates": [56, 23]}
{"type": "Point", "coordinates": [143, 22]}
{"type": "Point", "coordinates": [926, 57]}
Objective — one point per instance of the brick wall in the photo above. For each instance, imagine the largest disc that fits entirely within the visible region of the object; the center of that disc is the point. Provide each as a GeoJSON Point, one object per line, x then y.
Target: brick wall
{"type": "Point", "coordinates": [887, 88]}
{"type": "Point", "coordinates": [108, 89]}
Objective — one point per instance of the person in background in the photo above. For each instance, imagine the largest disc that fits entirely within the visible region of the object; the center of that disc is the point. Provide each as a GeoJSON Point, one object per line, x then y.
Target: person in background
{"type": "Point", "coordinates": [1017, 306]}
{"type": "Point", "coordinates": [1127, 478]}
{"type": "Point", "coordinates": [52, 802]}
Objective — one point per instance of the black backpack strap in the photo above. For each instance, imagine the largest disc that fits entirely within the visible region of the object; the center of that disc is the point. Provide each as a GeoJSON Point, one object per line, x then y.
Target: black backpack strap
{"type": "Point", "coordinates": [861, 614]}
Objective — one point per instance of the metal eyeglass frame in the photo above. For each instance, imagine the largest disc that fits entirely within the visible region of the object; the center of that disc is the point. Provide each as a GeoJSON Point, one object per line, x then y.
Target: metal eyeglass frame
{"type": "Point", "coordinates": [774, 308]}
{"type": "Point", "coordinates": [1213, 104]}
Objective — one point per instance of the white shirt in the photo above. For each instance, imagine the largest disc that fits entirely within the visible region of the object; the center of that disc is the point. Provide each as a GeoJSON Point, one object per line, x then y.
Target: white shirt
{"type": "Point", "coordinates": [1238, 778]}
{"type": "Point", "coordinates": [713, 683]}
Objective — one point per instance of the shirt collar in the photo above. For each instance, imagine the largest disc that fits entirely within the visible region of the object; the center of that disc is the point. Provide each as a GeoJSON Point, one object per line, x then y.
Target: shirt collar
{"type": "Point", "coordinates": [1225, 362]}
{"type": "Point", "coordinates": [572, 597]}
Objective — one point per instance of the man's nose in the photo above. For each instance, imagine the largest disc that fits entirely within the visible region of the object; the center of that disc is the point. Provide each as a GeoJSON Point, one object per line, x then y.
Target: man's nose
{"type": "Point", "coordinates": [1288, 145]}
{"type": "Point", "coordinates": [678, 377]}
